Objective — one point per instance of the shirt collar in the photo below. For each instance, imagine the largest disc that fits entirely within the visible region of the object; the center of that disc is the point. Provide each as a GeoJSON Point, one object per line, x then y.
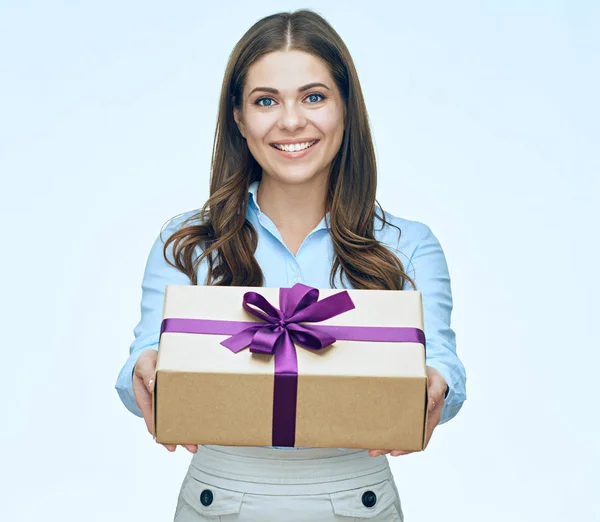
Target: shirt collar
{"type": "Point", "coordinates": [253, 203]}
{"type": "Point", "coordinates": [253, 195]}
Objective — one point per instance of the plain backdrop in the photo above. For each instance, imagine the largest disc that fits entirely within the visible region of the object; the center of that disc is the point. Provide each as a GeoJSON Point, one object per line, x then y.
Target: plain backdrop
{"type": "Point", "coordinates": [485, 119]}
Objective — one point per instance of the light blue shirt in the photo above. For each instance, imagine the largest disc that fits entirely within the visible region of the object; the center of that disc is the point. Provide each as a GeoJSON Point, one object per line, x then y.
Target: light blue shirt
{"type": "Point", "coordinates": [416, 246]}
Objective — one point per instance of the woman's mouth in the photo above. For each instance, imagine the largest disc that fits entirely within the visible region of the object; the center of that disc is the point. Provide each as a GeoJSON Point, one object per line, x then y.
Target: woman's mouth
{"type": "Point", "coordinates": [294, 150]}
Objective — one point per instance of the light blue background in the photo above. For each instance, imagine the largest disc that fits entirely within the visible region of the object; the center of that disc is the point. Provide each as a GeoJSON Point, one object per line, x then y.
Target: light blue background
{"type": "Point", "coordinates": [485, 117]}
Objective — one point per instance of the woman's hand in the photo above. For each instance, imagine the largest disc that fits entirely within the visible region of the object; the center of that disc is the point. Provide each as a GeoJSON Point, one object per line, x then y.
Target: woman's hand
{"type": "Point", "coordinates": [143, 384]}
{"type": "Point", "coordinates": [436, 389]}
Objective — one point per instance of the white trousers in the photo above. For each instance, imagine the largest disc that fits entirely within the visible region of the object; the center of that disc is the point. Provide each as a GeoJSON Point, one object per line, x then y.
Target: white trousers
{"type": "Point", "coordinates": [256, 484]}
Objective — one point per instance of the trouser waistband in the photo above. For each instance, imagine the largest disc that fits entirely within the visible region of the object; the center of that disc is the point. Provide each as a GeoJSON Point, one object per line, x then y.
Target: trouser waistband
{"type": "Point", "coordinates": [266, 470]}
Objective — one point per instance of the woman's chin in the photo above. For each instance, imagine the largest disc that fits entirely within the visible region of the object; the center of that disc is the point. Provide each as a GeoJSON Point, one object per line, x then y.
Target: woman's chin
{"type": "Point", "coordinates": [296, 176]}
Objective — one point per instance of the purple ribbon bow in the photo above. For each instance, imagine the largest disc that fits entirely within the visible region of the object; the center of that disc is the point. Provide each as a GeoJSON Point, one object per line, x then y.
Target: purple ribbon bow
{"type": "Point", "coordinates": [280, 330]}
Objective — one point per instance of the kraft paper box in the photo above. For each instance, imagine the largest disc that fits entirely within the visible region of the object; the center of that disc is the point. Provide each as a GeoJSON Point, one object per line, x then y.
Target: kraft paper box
{"type": "Point", "coordinates": [349, 394]}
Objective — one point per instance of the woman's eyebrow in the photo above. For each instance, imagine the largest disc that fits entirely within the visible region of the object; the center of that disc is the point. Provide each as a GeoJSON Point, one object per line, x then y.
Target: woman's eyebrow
{"type": "Point", "coordinates": [300, 89]}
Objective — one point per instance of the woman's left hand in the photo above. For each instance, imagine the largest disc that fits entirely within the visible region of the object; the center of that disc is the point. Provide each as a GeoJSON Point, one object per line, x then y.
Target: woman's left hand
{"type": "Point", "coordinates": [436, 389]}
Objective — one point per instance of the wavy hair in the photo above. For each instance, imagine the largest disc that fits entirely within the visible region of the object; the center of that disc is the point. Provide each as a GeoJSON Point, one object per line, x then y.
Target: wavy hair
{"type": "Point", "coordinates": [226, 238]}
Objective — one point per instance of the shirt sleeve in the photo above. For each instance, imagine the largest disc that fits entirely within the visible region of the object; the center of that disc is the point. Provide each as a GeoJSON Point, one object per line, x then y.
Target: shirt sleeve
{"type": "Point", "coordinates": [430, 273]}
{"type": "Point", "coordinates": [157, 275]}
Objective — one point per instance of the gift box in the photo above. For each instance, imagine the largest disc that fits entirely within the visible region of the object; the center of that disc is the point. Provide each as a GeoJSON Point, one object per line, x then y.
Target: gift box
{"type": "Point", "coordinates": [296, 367]}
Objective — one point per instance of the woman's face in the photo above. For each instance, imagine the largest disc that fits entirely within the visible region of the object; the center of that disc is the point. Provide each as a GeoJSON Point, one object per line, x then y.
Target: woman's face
{"type": "Point", "coordinates": [290, 101]}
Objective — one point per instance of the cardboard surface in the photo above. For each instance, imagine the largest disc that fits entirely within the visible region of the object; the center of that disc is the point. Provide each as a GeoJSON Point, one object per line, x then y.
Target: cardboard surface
{"type": "Point", "coordinates": [352, 394]}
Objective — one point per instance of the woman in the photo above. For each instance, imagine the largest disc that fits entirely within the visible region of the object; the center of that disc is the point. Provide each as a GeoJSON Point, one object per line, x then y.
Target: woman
{"type": "Point", "coordinates": [292, 199]}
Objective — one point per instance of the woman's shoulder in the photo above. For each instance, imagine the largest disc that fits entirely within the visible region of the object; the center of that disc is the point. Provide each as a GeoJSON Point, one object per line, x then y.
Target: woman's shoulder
{"type": "Point", "coordinates": [399, 232]}
{"type": "Point", "coordinates": [175, 223]}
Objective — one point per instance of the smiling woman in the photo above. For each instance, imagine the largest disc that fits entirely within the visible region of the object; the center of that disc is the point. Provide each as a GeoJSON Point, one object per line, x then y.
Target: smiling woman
{"type": "Point", "coordinates": [291, 81]}
{"type": "Point", "coordinates": [293, 199]}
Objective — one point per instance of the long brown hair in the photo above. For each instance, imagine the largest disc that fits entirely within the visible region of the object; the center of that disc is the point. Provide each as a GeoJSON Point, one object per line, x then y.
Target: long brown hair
{"type": "Point", "coordinates": [227, 240]}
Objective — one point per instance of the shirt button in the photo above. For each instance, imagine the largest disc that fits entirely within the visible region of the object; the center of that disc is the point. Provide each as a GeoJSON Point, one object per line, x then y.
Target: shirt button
{"type": "Point", "coordinates": [369, 498]}
{"type": "Point", "coordinates": [206, 497]}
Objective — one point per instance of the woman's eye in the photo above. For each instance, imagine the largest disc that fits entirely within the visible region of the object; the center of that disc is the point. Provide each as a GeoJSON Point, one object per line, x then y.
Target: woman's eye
{"type": "Point", "coordinates": [265, 100]}
{"type": "Point", "coordinates": [311, 97]}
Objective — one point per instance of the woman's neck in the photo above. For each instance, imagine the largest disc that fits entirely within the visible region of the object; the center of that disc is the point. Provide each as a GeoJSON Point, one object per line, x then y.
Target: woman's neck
{"type": "Point", "coordinates": [294, 209]}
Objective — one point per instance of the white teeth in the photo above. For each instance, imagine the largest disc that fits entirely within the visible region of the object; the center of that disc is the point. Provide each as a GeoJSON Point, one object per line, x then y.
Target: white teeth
{"type": "Point", "coordinates": [294, 147]}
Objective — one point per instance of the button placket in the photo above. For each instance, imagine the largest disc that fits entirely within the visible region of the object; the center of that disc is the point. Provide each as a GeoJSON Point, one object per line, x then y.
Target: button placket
{"type": "Point", "coordinates": [296, 272]}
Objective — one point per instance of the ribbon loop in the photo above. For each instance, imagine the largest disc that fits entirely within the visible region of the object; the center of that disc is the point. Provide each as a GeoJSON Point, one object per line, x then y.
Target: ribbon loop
{"type": "Point", "coordinates": [305, 336]}
{"type": "Point", "coordinates": [270, 315]}
{"type": "Point", "coordinates": [292, 300]}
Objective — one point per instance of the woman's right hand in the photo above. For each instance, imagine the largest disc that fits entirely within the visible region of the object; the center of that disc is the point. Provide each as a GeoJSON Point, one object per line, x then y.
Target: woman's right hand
{"type": "Point", "coordinates": [143, 384]}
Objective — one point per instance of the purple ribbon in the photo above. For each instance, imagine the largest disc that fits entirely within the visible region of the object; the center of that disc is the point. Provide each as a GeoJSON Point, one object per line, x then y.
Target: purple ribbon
{"type": "Point", "coordinates": [280, 330]}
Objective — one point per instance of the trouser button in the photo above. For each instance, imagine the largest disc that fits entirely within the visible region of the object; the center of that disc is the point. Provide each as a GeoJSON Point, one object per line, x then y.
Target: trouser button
{"type": "Point", "coordinates": [206, 497]}
{"type": "Point", "coordinates": [369, 498]}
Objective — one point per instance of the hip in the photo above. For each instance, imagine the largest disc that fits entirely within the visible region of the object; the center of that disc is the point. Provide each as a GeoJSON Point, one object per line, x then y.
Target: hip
{"type": "Point", "coordinates": [246, 484]}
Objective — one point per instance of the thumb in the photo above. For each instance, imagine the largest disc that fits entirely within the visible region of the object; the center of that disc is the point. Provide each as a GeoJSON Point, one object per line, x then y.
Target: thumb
{"type": "Point", "coordinates": [436, 385]}
{"type": "Point", "coordinates": [145, 369]}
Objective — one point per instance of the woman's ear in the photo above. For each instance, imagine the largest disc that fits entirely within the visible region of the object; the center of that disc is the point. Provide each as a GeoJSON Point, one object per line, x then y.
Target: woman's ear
{"type": "Point", "coordinates": [237, 116]}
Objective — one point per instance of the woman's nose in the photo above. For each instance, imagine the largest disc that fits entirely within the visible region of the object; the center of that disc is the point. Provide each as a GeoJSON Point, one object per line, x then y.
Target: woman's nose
{"type": "Point", "coordinates": [291, 119]}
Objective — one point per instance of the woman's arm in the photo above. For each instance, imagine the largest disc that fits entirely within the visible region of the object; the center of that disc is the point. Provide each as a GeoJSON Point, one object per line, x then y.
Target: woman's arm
{"type": "Point", "coordinates": [157, 275]}
{"type": "Point", "coordinates": [429, 270]}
